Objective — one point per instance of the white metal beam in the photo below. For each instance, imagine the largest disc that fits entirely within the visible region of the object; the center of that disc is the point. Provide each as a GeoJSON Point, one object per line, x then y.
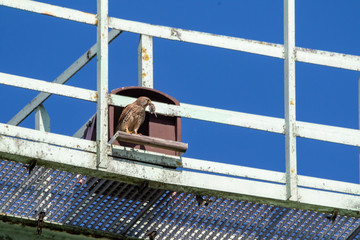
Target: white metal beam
{"type": "Point", "coordinates": [102, 83]}
{"type": "Point", "coordinates": [325, 58]}
{"type": "Point", "coordinates": [247, 120]}
{"type": "Point", "coordinates": [290, 118]}
{"type": "Point", "coordinates": [49, 87]}
{"type": "Point", "coordinates": [328, 185]}
{"type": "Point", "coordinates": [145, 61]}
{"type": "Point", "coordinates": [233, 170]}
{"type": "Point", "coordinates": [330, 59]}
{"type": "Point", "coordinates": [42, 119]}
{"type": "Point", "coordinates": [188, 163]}
{"type": "Point", "coordinates": [271, 124]}
{"type": "Point", "coordinates": [177, 34]}
{"type": "Point", "coordinates": [63, 78]}
{"type": "Point", "coordinates": [328, 133]}
{"type": "Point", "coordinates": [51, 10]}
{"type": "Point", "coordinates": [88, 145]}
{"type": "Point", "coordinates": [83, 162]}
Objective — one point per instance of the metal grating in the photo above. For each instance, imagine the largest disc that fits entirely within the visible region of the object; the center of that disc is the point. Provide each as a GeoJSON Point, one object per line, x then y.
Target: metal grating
{"type": "Point", "coordinates": [131, 210]}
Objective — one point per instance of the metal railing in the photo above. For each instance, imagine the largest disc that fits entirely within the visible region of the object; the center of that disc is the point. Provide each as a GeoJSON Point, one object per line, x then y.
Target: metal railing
{"type": "Point", "coordinates": [98, 159]}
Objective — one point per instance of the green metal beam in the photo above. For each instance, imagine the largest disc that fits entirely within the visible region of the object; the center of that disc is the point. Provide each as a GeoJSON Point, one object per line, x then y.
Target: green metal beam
{"type": "Point", "coordinates": [12, 228]}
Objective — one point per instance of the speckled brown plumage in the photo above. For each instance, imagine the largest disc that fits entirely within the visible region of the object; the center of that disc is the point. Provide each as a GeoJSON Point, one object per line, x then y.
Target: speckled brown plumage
{"type": "Point", "coordinates": [133, 115]}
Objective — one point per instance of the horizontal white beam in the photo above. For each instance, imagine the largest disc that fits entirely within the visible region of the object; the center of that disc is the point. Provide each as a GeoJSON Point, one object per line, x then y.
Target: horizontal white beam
{"type": "Point", "coordinates": [47, 137]}
{"type": "Point", "coordinates": [254, 121]}
{"type": "Point", "coordinates": [49, 87]}
{"type": "Point", "coordinates": [233, 170]}
{"type": "Point", "coordinates": [63, 78]}
{"type": "Point", "coordinates": [119, 169]}
{"type": "Point", "coordinates": [88, 145]}
{"type": "Point", "coordinates": [329, 199]}
{"type": "Point", "coordinates": [330, 59]}
{"type": "Point", "coordinates": [328, 133]}
{"type": "Point", "coordinates": [271, 124]}
{"type": "Point", "coordinates": [233, 43]}
{"type": "Point", "coordinates": [313, 56]}
{"type": "Point", "coordinates": [329, 185]}
{"type": "Point", "coordinates": [71, 159]}
{"type": "Point", "coordinates": [51, 10]}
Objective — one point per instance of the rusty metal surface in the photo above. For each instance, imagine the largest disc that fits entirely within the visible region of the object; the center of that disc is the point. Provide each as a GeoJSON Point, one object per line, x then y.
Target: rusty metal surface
{"type": "Point", "coordinates": [135, 211]}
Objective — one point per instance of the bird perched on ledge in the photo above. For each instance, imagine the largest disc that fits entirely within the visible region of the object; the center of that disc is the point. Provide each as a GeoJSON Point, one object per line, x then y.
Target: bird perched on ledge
{"type": "Point", "coordinates": [133, 115]}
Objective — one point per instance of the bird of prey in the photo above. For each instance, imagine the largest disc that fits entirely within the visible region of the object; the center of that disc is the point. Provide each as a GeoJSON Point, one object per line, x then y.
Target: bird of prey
{"type": "Point", "coordinates": [133, 115]}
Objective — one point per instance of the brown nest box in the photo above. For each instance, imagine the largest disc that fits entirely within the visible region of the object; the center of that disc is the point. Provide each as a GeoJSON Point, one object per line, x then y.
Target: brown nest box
{"type": "Point", "coordinates": [165, 127]}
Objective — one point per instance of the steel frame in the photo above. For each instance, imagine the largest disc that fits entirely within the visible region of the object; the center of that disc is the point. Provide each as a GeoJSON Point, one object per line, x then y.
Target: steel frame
{"type": "Point", "coordinates": [102, 160]}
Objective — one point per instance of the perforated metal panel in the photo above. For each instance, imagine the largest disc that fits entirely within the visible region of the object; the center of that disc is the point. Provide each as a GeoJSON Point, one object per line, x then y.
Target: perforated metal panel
{"type": "Point", "coordinates": [131, 210]}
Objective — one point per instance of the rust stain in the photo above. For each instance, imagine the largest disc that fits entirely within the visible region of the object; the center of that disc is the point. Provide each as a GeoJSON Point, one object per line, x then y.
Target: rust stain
{"type": "Point", "coordinates": [145, 57]}
{"type": "Point", "coordinates": [143, 75]}
{"type": "Point", "coordinates": [102, 35]}
{"type": "Point", "coordinates": [96, 95]}
{"type": "Point", "coordinates": [292, 103]}
{"type": "Point", "coordinates": [48, 13]}
{"type": "Point", "coordinates": [178, 163]}
{"type": "Point", "coordinates": [292, 170]}
{"type": "Point", "coordinates": [143, 50]}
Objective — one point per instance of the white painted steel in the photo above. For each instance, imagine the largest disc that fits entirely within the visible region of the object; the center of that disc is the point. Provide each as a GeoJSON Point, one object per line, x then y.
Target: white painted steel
{"type": "Point", "coordinates": [329, 199]}
{"type": "Point", "coordinates": [87, 145]}
{"type": "Point", "coordinates": [51, 154]}
{"type": "Point", "coordinates": [47, 137]}
{"type": "Point", "coordinates": [80, 161]}
{"type": "Point", "coordinates": [188, 163]}
{"type": "Point", "coordinates": [290, 103]}
{"type": "Point", "coordinates": [145, 61]}
{"type": "Point", "coordinates": [327, 133]}
{"type": "Point", "coordinates": [51, 10]}
{"type": "Point", "coordinates": [330, 59]}
{"type": "Point", "coordinates": [67, 149]}
{"type": "Point", "coordinates": [102, 117]}
{"type": "Point", "coordinates": [42, 119]}
{"type": "Point", "coordinates": [233, 170]}
{"type": "Point", "coordinates": [247, 120]}
{"type": "Point", "coordinates": [63, 78]}
{"type": "Point", "coordinates": [49, 87]}
{"type": "Point", "coordinates": [177, 34]}
{"type": "Point", "coordinates": [329, 185]}
{"type": "Point", "coordinates": [313, 56]}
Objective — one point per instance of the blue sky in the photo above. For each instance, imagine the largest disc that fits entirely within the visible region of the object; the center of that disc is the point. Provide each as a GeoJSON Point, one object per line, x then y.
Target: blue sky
{"type": "Point", "coordinates": [42, 47]}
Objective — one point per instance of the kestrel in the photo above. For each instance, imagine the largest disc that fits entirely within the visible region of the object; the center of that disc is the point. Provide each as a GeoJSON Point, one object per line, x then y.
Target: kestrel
{"type": "Point", "coordinates": [133, 115]}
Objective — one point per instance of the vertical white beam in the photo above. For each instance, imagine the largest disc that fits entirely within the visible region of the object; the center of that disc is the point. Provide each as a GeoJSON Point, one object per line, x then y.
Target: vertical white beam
{"type": "Point", "coordinates": [359, 119]}
{"type": "Point", "coordinates": [145, 65]}
{"type": "Point", "coordinates": [290, 103]}
{"type": "Point", "coordinates": [102, 83]}
{"type": "Point", "coordinates": [42, 119]}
